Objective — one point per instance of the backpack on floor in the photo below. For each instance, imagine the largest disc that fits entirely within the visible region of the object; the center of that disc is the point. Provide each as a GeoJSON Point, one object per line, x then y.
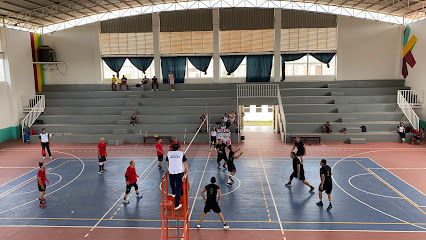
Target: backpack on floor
{"type": "Point", "coordinates": [138, 85]}
{"type": "Point", "coordinates": [363, 128]}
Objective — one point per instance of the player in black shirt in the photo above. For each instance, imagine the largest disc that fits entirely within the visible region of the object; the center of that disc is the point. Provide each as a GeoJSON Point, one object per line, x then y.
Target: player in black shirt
{"type": "Point", "coordinates": [221, 153]}
{"type": "Point", "coordinates": [231, 167]}
{"type": "Point", "coordinates": [301, 150]}
{"type": "Point", "coordinates": [298, 172]}
{"type": "Point", "coordinates": [211, 203]}
{"type": "Point", "coordinates": [326, 183]}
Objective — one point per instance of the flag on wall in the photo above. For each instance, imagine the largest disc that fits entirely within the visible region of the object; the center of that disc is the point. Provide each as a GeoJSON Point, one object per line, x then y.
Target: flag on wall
{"type": "Point", "coordinates": [36, 43]}
{"type": "Point", "coordinates": [224, 135]}
{"type": "Point", "coordinates": [407, 55]}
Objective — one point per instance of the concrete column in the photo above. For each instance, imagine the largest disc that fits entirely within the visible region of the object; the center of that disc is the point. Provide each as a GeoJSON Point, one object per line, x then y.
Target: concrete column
{"type": "Point", "coordinates": [277, 44]}
{"type": "Point", "coordinates": [156, 36]}
{"type": "Point", "coordinates": [216, 53]}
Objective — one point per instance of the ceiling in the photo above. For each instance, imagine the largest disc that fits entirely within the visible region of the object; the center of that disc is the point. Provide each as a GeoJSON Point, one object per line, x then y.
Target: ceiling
{"type": "Point", "coordinates": [33, 14]}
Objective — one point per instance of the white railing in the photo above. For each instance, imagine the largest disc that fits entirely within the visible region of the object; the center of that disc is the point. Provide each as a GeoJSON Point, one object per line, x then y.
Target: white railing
{"type": "Point", "coordinates": [262, 91]}
{"type": "Point", "coordinates": [406, 108]}
{"type": "Point", "coordinates": [30, 102]}
{"type": "Point", "coordinates": [414, 97]}
{"type": "Point", "coordinates": [34, 113]}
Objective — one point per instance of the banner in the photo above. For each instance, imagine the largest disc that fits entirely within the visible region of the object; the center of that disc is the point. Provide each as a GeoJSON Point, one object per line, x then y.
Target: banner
{"type": "Point", "coordinates": [224, 135]}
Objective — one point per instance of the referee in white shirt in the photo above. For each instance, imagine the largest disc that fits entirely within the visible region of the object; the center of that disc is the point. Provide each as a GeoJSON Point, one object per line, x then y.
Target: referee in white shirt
{"type": "Point", "coordinates": [177, 168]}
{"type": "Point", "coordinates": [45, 140]}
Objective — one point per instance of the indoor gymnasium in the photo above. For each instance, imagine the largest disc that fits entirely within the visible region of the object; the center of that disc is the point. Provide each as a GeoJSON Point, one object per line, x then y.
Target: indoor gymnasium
{"type": "Point", "coordinates": [212, 120]}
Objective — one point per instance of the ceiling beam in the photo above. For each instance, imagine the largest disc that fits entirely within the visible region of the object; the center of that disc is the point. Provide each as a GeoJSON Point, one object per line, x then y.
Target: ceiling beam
{"type": "Point", "coordinates": [98, 5]}
{"type": "Point", "coordinates": [26, 9]}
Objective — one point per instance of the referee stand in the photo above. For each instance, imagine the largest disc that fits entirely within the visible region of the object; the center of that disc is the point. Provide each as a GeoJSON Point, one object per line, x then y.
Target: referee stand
{"type": "Point", "coordinates": [168, 212]}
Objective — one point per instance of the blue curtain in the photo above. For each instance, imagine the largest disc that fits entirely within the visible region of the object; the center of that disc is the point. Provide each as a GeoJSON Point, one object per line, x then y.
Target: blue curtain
{"type": "Point", "coordinates": [176, 65]}
{"type": "Point", "coordinates": [115, 63]}
{"type": "Point", "coordinates": [289, 58]}
{"type": "Point", "coordinates": [323, 57]}
{"type": "Point", "coordinates": [232, 62]}
{"type": "Point", "coordinates": [259, 68]}
{"type": "Point", "coordinates": [141, 63]}
{"type": "Point", "coordinates": [201, 62]}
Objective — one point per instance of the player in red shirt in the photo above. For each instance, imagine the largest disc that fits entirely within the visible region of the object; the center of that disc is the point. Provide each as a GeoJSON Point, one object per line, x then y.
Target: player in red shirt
{"type": "Point", "coordinates": [175, 141]}
{"type": "Point", "coordinates": [131, 181]}
{"type": "Point", "coordinates": [41, 182]}
{"type": "Point", "coordinates": [160, 152]}
{"type": "Point", "coordinates": [102, 156]}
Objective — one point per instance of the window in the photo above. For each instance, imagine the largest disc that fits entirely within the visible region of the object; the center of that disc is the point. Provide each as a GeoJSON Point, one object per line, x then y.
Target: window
{"type": "Point", "coordinates": [127, 43]}
{"type": "Point", "coordinates": [238, 41]}
{"type": "Point", "coordinates": [186, 42]}
{"type": "Point", "coordinates": [247, 109]}
{"type": "Point", "coordinates": [240, 72]}
{"type": "Point", "coordinates": [309, 66]}
{"type": "Point", "coordinates": [192, 72]}
{"type": "Point", "coordinates": [2, 76]}
{"type": "Point", "coordinates": [270, 108]}
{"type": "Point", "coordinates": [305, 39]}
{"type": "Point", "coordinates": [130, 71]}
{"type": "Point", "coordinates": [258, 108]}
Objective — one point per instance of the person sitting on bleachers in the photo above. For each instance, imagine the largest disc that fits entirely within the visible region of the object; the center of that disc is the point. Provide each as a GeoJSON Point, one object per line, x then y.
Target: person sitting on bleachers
{"type": "Point", "coordinates": [223, 126]}
{"type": "Point", "coordinates": [419, 137]}
{"type": "Point", "coordinates": [231, 117]}
{"type": "Point", "coordinates": [202, 118]}
{"type": "Point", "coordinates": [124, 82]}
{"type": "Point", "coordinates": [133, 120]}
{"type": "Point", "coordinates": [145, 80]}
{"type": "Point", "coordinates": [327, 128]}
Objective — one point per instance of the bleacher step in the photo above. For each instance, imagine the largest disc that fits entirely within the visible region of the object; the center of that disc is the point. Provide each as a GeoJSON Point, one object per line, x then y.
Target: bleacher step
{"type": "Point", "coordinates": [127, 113]}
{"type": "Point", "coordinates": [353, 130]}
{"type": "Point", "coordinates": [345, 120]}
{"type": "Point", "coordinates": [357, 140]}
{"type": "Point", "coordinates": [115, 142]}
{"type": "Point", "coordinates": [344, 110]}
{"type": "Point", "coordinates": [131, 104]}
{"type": "Point", "coordinates": [333, 85]}
{"type": "Point", "coordinates": [341, 101]}
{"type": "Point", "coordinates": [119, 131]}
{"type": "Point", "coordinates": [337, 94]}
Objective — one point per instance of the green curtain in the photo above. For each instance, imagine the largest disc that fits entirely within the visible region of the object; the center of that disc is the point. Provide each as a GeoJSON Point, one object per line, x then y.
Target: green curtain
{"type": "Point", "coordinates": [176, 65]}
{"type": "Point", "coordinates": [289, 58]}
{"type": "Point", "coordinates": [232, 62]}
{"type": "Point", "coordinates": [115, 63]}
{"type": "Point", "coordinates": [422, 124]}
{"type": "Point", "coordinates": [201, 62]}
{"type": "Point", "coordinates": [323, 57]}
{"type": "Point", "coordinates": [141, 63]}
{"type": "Point", "coordinates": [259, 68]}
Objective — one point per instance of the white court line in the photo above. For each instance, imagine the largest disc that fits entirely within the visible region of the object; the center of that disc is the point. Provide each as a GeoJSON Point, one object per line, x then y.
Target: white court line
{"type": "Point", "coordinates": [122, 195]}
{"type": "Point", "coordinates": [382, 212]}
{"type": "Point", "coordinates": [50, 185]}
{"type": "Point", "coordinates": [401, 168]}
{"type": "Point", "coordinates": [272, 195]}
{"type": "Point", "coordinates": [349, 180]}
{"type": "Point", "coordinates": [19, 167]}
{"type": "Point", "coordinates": [199, 185]}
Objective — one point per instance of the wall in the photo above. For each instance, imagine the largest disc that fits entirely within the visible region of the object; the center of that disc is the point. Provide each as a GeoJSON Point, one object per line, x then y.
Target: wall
{"type": "Point", "coordinates": [79, 48]}
{"type": "Point", "coordinates": [368, 50]}
{"type": "Point", "coordinates": [416, 78]}
{"type": "Point", "coordinates": [19, 80]}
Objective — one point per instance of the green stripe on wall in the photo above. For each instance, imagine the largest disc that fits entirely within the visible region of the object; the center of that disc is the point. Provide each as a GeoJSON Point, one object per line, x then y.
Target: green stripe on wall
{"type": "Point", "coordinates": [10, 133]}
{"type": "Point", "coordinates": [422, 124]}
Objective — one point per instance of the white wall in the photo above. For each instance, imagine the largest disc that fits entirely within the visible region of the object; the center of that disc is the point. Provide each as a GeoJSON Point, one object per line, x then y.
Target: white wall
{"type": "Point", "coordinates": [258, 116]}
{"type": "Point", "coordinates": [416, 78]}
{"type": "Point", "coordinates": [79, 48]}
{"type": "Point", "coordinates": [19, 75]}
{"type": "Point", "coordinates": [368, 50]}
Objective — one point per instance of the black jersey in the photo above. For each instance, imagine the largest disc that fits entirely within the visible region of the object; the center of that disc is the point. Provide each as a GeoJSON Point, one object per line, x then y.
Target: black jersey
{"type": "Point", "coordinates": [231, 156]}
{"type": "Point", "coordinates": [221, 147]}
{"type": "Point", "coordinates": [300, 146]}
{"type": "Point", "coordinates": [326, 170]}
{"type": "Point", "coordinates": [296, 162]}
{"type": "Point", "coordinates": [211, 190]}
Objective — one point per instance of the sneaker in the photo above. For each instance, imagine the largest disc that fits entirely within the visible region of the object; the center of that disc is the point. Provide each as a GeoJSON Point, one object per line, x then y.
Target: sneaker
{"type": "Point", "coordinates": [44, 199]}
{"type": "Point", "coordinates": [172, 195]}
{"type": "Point", "coordinates": [50, 157]}
{"type": "Point", "coordinates": [288, 184]}
{"type": "Point", "coordinates": [152, 90]}
{"type": "Point", "coordinates": [173, 90]}
{"type": "Point", "coordinates": [139, 195]}
{"type": "Point", "coordinates": [198, 226]}
{"type": "Point", "coordinates": [320, 204]}
{"type": "Point", "coordinates": [156, 90]}
{"type": "Point", "coordinates": [312, 189]}
{"type": "Point", "coordinates": [44, 157]}
{"type": "Point", "coordinates": [218, 166]}
{"type": "Point", "coordinates": [126, 201]}
{"type": "Point", "coordinates": [225, 227]}
{"type": "Point", "coordinates": [42, 205]}
{"type": "Point", "coordinates": [229, 184]}
{"type": "Point", "coordinates": [100, 172]}
{"type": "Point", "coordinates": [105, 170]}
{"type": "Point", "coordinates": [329, 207]}
{"type": "Point", "coordinates": [224, 167]}
{"type": "Point", "coordinates": [178, 207]}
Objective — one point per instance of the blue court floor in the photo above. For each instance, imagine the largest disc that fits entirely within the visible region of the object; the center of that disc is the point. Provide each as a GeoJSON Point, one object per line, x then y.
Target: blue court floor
{"type": "Point", "coordinates": [365, 196]}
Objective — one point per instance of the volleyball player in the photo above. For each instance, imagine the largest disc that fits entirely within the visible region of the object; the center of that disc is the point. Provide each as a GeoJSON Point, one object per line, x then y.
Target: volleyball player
{"type": "Point", "coordinates": [326, 183]}
{"type": "Point", "coordinates": [301, 150]}
{"type": "Point", "coordinates": [231, 167]}
{"type": "Point", "coordinates": [213, 137]}
{"type": "Point", "coordinates": [160, 152]}
{"type": "Point", "coordinates": [131, 181]}
{"type": "Point", "coordinates": [41, 182]}
{"type": "Point", "coordinates": [298, 172]}
{"type": "Point", "coordinates": [221, 153]}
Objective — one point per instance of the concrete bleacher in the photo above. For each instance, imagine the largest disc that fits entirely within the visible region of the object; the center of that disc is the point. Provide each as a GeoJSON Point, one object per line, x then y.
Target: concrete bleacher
{"type": "Point", "coordinates": [84, 113]}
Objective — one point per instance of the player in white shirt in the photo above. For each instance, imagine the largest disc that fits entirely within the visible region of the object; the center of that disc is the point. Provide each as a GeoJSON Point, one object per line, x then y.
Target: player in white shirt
{"type": "Point", "coordinates": [177, 168]}
{"type": "Point", "coordinates": [45, 142]}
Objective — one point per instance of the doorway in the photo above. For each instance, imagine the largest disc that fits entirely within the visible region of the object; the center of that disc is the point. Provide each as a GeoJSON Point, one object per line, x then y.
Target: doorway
{"type": "Point", "coordinates": [258, 118]}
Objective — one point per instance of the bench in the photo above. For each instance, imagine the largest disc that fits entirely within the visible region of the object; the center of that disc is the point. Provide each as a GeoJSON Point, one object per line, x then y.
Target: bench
{"type": "Point", "coordinates": [162, 137]}
{"type": "Point", "coordinates": [307, 138]}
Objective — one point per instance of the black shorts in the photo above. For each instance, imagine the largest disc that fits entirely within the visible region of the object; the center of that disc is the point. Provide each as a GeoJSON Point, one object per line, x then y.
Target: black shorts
{"type": "Point", "coordinates": [212, 206]}
{"type": "Point", "coordinates": [129, 187]}
{"type": "Point", "coordinates": [300, 153]}
{"type": "Point", "coordinates": [213, 139]}
{"type": "Point", "coordinates": [231, 166]}
{"type": "Point", "coordinates": [160, 158]}
{"type": "Point", "coordinates": [222, 156]}
{"type": "Point", "coordinates": [302, 175]}
{"type": "Point", "coordinates": [102, 159]}
{"type": "Point", "coordinates": [41, 190]}
{"type": "Point", "coordinates": [327, 187]}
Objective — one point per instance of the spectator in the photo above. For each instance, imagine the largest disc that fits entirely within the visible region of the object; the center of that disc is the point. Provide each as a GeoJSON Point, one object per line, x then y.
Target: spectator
{"type": "Point", "coordinates": [223, 126]}
{"type": "Point", "coordinates": [133, 120]}
{"type": "Point", "coordinates": [327, 128]}
{"type": "Point", "coordinates": [172, 81]}
{"type": "Point", "coordinates": [174, 142]}
{"type": "Point", "coordinates": [231, 117]}
{"type": "Point", "coordinates": [45, 142]}
{"type": "Point", "coordinates": [114, 83]}
{"type": "Point", "coordinates": [124, 82]}
{"type": "Point", "coordinates": [202, 118]}
{"type": "Point", "coordinates": [27, 134]}
{"type": "Point", "coordinates": [145, 80]}
{"type": "Point", "coordinates": [154, 82]}
{"type": "Point", "coordinates": [401, 131]}
{"type": "Point", "coordinates": [419, 137]}
{"type": "Point", "coordinates": [225, 118]}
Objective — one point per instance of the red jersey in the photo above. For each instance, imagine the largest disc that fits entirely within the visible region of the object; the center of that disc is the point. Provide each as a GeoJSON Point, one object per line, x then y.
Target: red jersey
{"type": "Point", "coordinates": [131, 175]}
{"type": "Point", "coordinates": [158, 146]}
{"type": "Point", "coordinates": [171, 145]}
{"type": "Point", "coordinates": [42, 175]}
{"type": "Point", "coordinates": [102, 149]}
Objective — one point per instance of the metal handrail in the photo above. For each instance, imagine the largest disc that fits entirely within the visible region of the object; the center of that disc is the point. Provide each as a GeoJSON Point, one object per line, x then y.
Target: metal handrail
{"type": "Point", "coordinates": [30, 102]}
{"type": "Point", "coordinates": [281, 120]}
{"type": "Point", "coordinates": [34, 113]}
{"type": "Point", "coordinates": [406, 108]}
{"type": "Point", "coordinates": [414, 97]}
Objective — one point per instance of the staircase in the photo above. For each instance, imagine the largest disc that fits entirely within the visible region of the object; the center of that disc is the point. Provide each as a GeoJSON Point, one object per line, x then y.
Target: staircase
{"type": "Point", "coordinates": [85, 113]}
